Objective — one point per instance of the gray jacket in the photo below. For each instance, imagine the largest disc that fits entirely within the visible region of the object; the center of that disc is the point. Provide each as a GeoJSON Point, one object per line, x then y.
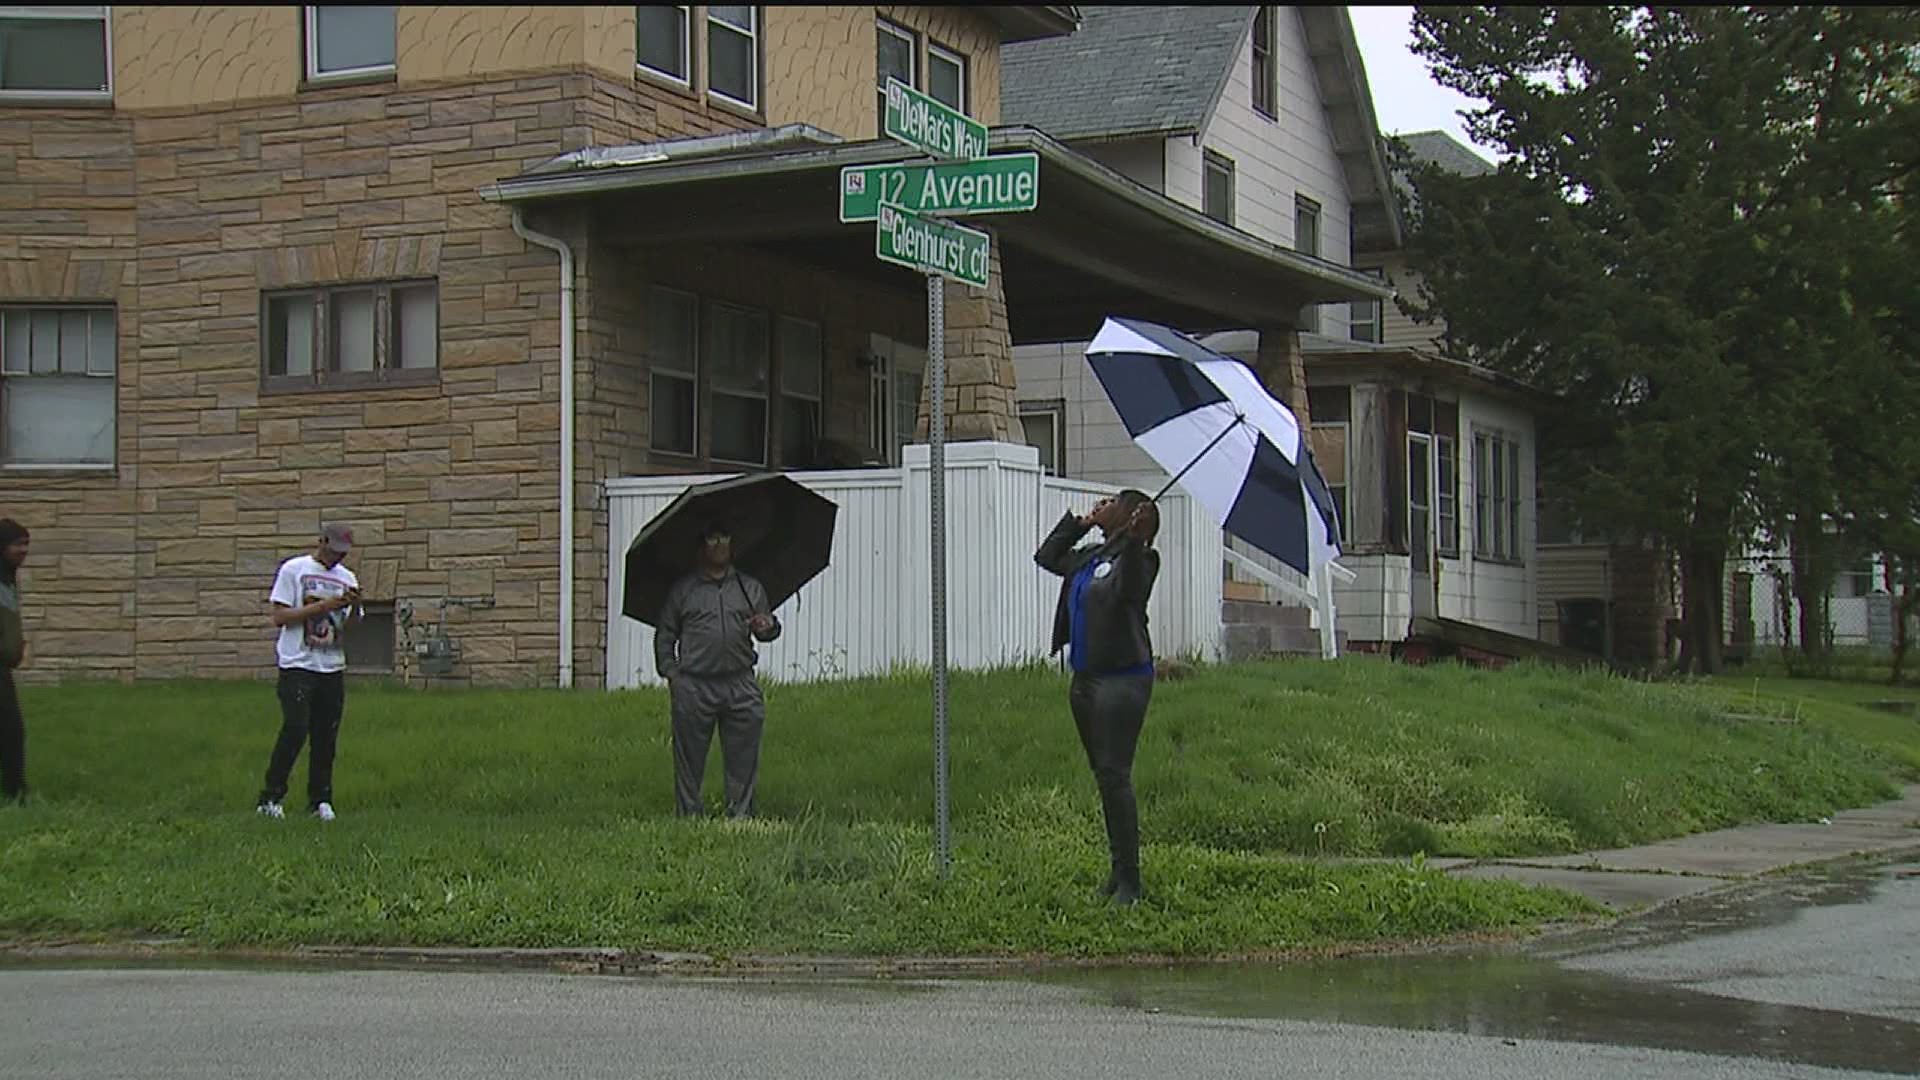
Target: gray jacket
{"type": "Point", "coordinates": [703, 626]}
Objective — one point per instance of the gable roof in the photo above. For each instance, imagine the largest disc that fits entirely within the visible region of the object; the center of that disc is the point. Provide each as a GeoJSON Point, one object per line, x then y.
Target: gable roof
{"type": "Point", "coordinates": [1127, 71]}
{"type": "Point", "coordinates": [1442, 149]}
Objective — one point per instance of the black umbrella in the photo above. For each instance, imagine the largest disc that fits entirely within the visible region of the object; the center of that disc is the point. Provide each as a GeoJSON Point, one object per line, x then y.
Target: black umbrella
{"type": "Point", "coordinates": [782, 536]}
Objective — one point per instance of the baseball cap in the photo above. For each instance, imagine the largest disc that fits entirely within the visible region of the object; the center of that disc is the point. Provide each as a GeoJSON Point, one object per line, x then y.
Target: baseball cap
{"type": "Point", "coordinates": [339, 538]}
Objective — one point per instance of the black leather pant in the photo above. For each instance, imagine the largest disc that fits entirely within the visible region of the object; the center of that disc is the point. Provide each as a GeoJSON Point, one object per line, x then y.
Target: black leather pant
{"type": "Point", "coordinates": [1109, 711]}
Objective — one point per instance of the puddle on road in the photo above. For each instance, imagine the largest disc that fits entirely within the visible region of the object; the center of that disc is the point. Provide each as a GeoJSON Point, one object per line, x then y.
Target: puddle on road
{"type": "Point", "coordinates": [1512, 996]}
{"type": "Point", "coordinates": [1520, 992]}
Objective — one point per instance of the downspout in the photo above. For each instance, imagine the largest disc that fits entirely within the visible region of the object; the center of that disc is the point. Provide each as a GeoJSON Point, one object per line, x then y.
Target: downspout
{"type": "Point", "coordinates": [565, 252]}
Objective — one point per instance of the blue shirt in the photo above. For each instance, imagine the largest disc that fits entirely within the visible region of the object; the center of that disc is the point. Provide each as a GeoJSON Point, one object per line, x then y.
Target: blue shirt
{"type": "Point", "coordinates": [1077, 622]}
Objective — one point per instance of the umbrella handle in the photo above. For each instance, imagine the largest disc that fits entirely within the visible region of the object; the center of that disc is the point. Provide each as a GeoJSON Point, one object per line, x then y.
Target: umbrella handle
{"type": "Point", "coordinates": [1238, 419]}
{"type": "Point", "coordinates": [743, 593]}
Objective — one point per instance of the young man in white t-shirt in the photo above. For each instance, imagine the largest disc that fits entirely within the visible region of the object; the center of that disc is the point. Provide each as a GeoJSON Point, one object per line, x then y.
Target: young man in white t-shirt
{"type": "Point", "coordinates": [314, 600]}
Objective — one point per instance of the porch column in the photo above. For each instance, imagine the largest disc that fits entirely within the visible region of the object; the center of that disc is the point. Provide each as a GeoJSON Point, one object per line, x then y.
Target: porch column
{"type": "Point", "coordinates": [980, 377]}
{"type": "Point", "coordinates": [1282, 368]}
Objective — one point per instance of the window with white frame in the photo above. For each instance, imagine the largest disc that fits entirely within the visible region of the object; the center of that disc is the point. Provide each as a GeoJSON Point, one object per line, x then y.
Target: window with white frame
{"type": "Point", "coordinates": [1043, 425]}
{"type": "Point", "coordinates": [57, 395]}
{"type": "Point", "coordinates": [1496, 514]}
{"type": "Point", "coordinates": [54, 52]}
{"type": "Point", "coordinates": [1446, 494]}
{"type": "Point", "coordinates": [947, 76]}
{"type": "Point", "coordinates": [803, 363]}
{"type": "Point", "coordinates": [897, 56]}
{"type": "Point", "coordinates": [1365, 318]}
{"type": "Point", "coordinates": [1216, 194]}
{"type": "Point", "coordinates": [382, 332]}
{"type": "Point", "coordinates": [672, 364]}
{"type": "Point", "coordinates": [1306, 240]}
{"type": "Point", "coordinates": [346, 40]}
{"type": "Point", "coordinates": [733, 54]}
{"type": "Point", "coordinates": [735, 352]}
{"type": "Point", "coordinates": [1266, 80]}
{"type": "Point", "coordinates": [663, 42]}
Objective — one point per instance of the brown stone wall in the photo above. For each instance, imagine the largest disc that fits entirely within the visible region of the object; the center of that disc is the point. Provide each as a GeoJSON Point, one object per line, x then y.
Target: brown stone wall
{"type": "Point", "coordinates": [181, 218]}
{"type": "Point", "coordinates": [982, 386]}
{"type": "Point", "coordinates": [67, 235]}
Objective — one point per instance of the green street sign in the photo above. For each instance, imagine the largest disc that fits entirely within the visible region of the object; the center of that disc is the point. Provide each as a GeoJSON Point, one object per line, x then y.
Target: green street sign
{"type": "Point", "coordinates": [921, 122]}
{"type": "Point", "coordinates": [931, 246]}
{"type": "Point", "coordinates": [1001, 184]}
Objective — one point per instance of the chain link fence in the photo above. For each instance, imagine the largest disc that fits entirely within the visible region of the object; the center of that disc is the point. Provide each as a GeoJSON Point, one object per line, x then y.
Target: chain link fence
{"type": "Point", "coordinates": [1851, 628]}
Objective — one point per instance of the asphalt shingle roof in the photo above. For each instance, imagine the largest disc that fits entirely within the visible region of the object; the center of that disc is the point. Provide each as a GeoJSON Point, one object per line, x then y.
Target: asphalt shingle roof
{"type": "Point", "coordinates": [1442, 149]}
{"type": "Point", "coordinates": [1127, 70]}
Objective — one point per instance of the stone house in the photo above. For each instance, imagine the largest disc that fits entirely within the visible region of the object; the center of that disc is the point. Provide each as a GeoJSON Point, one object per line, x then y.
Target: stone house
{"type": "Point", "coordinates": [248, 283]}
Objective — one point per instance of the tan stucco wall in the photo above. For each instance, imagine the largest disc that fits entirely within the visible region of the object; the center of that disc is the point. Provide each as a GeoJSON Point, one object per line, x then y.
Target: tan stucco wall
{"type": "Point", "coordinates": [447, 41]}
{"type": "Point", "coordinates": [821, 62]}
{"type": "Point", "coordinates": [199, 54]}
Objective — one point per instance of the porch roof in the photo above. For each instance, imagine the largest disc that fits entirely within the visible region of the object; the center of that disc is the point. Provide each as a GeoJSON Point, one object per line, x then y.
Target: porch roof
{"type": "Point", "coordinates": [1098, 244]}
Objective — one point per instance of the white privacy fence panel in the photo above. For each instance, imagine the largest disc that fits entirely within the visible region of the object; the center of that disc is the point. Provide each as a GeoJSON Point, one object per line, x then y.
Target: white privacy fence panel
{"type": "Point", "coordinates": [867, 612]}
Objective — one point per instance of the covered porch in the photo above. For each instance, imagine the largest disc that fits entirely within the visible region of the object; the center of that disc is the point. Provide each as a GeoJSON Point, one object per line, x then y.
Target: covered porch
{"type": "Point", "coordinates": [726, 320]}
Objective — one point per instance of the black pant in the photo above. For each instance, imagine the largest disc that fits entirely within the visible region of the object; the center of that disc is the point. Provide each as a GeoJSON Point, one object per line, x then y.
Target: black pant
{"type": "Point", "coordinates": [311, 704]}
{"type": "Point", "coordinates": [734, 705]}
{"type": "Point", "coordinates": [1109, 711]}
{"type": "Point", "coordinates": [13, 741]}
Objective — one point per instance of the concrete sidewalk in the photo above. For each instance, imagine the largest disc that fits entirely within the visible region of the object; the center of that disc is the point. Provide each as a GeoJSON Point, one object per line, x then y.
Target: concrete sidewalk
{"type": "Point", "coordinates": [1635, 877]}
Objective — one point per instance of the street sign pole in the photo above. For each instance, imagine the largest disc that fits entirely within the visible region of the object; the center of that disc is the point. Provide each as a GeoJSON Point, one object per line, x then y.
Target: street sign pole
{"type": "Point", "coordinates": [937, 513]}
{"type": "Point", "coordinates": [909, 202]}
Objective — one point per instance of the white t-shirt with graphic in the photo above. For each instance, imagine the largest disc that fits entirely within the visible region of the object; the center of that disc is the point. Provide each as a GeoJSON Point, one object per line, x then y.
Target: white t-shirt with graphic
{"type": "Point", "coordinates": [314, 644]}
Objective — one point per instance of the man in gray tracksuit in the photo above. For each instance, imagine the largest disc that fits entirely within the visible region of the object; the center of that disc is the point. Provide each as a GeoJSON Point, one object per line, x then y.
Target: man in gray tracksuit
{"type": "Point", "coordinates": [703, 647]}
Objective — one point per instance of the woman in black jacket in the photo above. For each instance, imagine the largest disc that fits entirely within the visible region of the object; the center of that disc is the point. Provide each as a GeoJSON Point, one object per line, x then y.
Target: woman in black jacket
{"type": "Point", "coordinates": [1101, 618]}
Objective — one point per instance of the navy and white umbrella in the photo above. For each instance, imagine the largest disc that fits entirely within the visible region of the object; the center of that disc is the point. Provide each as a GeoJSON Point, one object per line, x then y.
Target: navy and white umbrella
{"type": "Point", "coordinates": [1208, 421]}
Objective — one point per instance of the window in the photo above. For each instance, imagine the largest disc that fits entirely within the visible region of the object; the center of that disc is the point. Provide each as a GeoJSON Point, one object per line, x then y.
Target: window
{"type": "Point", "coordinates": [1420, 501]}
{"type": "Point", "coordinates": [54, 52]}
{"type": "Point", "coordinates": [803, 359]}
{"type": "Point", "coordinates": [1496, 513]}
{"type": "Point", "coordinates": [1328, 442]}
{"type": "Point", "coordinates": [662, 42]}
{"type": "Point", "coordinates": [1306, 240]}
{"type": "Point", "coordinates": [671, 362]}
{"type": "Point", "coordinates": [899, 57]}
{"type": "Point", "coordinates": [736, 358]}
{"type": "Point", "coordinates": [1856, 580]}
{"type": "Point", "coordinates": [1216, 199]}
{"type": "Point", "coordinates": [947, 77]}
{"type": "Point", "coordinates": [1446, 494]}
{"type": "Point", "coordinates": [349, 39]}
{"type": "Point", "coordinates": [1265, 73]}
{"type": "Point", "coordinates": [1044, 426]}
{"type": "Point", "coordinates": [733, 54]}
{"type": "Point", "coordinates": [57, 401]}
{"type": "Point", "coordinates": [1365, 318]}
{"type": "Point", "coordinates": [387, 332]}
{"type": "Point", "coordinates": [893, 395]}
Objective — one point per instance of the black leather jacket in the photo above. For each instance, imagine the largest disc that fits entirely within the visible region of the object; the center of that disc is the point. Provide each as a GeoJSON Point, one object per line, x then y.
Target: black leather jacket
{"type": "Point", "coordinates": [1116, 604]}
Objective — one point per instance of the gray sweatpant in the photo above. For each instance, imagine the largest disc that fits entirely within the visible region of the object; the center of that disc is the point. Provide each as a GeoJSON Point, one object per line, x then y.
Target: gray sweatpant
{"type": "Point", "coordinates": [733, 703]}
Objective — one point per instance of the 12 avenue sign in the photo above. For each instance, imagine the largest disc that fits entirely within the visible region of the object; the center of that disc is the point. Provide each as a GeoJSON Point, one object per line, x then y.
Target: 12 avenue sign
{"type": "Point", "coordinates": [1005, 183]}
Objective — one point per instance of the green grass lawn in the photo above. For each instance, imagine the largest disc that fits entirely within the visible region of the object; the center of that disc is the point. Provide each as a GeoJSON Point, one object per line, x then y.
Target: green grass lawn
{"type": "Point", "coordinates": [542, 818]}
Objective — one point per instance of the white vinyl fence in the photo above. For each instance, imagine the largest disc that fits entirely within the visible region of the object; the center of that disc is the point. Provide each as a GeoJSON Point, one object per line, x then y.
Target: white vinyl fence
{"type": "Point", "coordinates": [867, 613]}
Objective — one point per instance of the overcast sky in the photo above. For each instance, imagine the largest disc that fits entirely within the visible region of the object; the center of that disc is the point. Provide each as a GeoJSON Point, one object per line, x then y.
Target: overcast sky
{"type": "Point", "coordinates": [1405, 97]}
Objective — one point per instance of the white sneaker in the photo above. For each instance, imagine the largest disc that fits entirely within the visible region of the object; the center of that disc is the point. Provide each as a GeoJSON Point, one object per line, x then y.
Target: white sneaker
{"type": "Point", "coordinates": [271, 809]}
{"type": "Point", "coordinates": [324, 811]}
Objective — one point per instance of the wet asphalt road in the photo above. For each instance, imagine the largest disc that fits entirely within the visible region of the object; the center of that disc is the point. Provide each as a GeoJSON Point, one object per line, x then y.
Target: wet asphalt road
{"type": "Point", "coordinates": [1806, 977]}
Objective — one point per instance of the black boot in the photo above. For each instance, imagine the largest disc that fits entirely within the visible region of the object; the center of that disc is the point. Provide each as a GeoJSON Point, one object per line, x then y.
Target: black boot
{"type": "Point", "coordinates": [1123, 839]}
{"type": "Point", "coordinates": [1113, 882]}
{"type": "Point", "coordinates": [1127, 888]}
